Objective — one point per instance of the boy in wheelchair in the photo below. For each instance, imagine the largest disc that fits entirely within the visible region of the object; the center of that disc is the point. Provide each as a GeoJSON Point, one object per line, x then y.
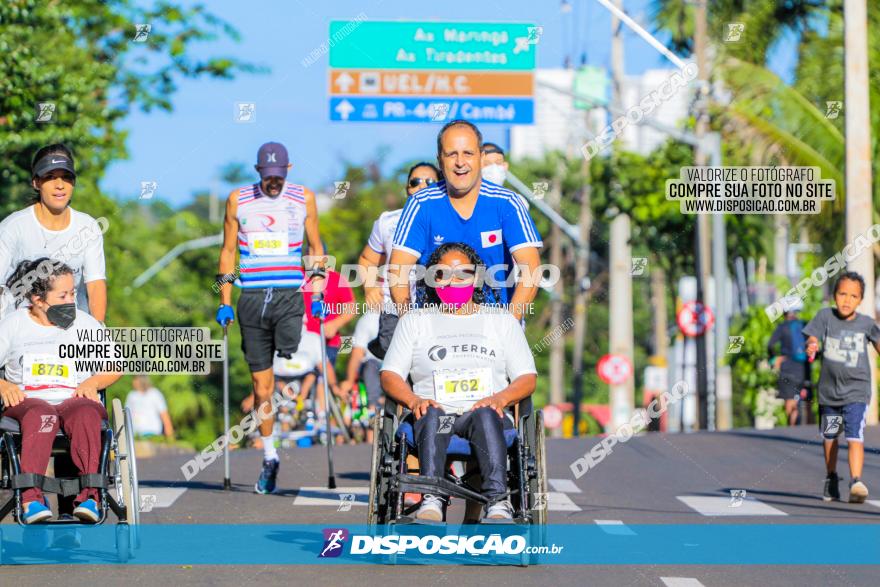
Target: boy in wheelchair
{"type": "Point", "coordinates": [44, 392]}
{"type": "Point", "coordinates": [468, 363]}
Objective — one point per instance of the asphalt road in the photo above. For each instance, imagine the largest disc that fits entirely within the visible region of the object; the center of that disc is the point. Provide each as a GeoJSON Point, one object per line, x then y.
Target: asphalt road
{"type": "Point", "coordinates": [742, 477]}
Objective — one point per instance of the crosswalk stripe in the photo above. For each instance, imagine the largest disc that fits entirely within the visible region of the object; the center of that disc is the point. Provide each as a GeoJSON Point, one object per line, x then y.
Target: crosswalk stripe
{"type": "Point", "coordinates": [615, 527]}
{"type": "Point", "coordinates": [321, 496]}
{"type": "Point", "coordinates": [681, 582]}
{"type": "Point", "coordinates": [708, 505]}
{"type": "Point", "coordinates": [564, 485]}
{"type": "Point", "coordinates": [560, 502]}
{"type": "Point", "coordinates": [159, 497]}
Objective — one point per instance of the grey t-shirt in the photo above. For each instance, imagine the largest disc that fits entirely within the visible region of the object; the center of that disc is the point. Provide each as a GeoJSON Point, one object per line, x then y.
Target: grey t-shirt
{"type": "Point", "coordinates": [845, 377]}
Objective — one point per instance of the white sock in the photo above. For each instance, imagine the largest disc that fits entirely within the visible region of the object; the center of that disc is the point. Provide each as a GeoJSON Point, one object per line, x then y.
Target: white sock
{"type": "Point", "coordinates": [269, 452]}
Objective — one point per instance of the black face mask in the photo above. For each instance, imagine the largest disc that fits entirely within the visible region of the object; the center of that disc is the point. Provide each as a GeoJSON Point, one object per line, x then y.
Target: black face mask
{"type": "Point", "coordinates": [62, 315]}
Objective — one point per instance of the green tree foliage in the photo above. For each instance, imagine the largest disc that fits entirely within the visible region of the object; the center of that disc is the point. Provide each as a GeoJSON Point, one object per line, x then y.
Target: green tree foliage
{"type": "Point", "coordinates": [81, 57]}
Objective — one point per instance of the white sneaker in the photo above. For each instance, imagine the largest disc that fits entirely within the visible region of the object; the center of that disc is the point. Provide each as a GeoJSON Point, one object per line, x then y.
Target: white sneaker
{"type": "Point", "coordinates": [431, 508]}
{"type": "Point", "coordinates": [500, 510]}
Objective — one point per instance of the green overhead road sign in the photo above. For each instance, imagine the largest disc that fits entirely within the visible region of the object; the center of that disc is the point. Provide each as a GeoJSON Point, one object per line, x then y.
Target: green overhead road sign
{"type": "Point", "coordinates": [433, 45]}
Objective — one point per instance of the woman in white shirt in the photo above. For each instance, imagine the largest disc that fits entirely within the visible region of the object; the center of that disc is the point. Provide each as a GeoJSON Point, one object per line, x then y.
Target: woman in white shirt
{"type": "Point", "coordinates": [45, 392]}
{"type": "Point", "coordinates": [51, 228]}
{"type": "Point", "coordinates": [467, 361]}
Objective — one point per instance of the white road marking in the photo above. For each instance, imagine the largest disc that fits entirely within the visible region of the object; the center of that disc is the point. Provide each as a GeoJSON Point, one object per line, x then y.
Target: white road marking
{"type": "Point", "coordinates": [616, 527]}
{"type": "Point", "coordinates": [165, 496]}
{"type": "Point", "coordinates": [560, 502]}
{"type": "Point", "coordinates": [330, 497]}
{"type": "Point", "coordinates": [874, 502]}
{"type": "Point", "coordinates": [681, 582]}
{"type": "Point", "coordinates": [564, 485]}
{"type": "Point", "coordinates": [724, 506]}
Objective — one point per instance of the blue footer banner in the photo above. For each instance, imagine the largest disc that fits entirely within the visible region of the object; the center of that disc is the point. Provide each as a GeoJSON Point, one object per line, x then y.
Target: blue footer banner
{"type": "Point", "coordinates": [243, 544]}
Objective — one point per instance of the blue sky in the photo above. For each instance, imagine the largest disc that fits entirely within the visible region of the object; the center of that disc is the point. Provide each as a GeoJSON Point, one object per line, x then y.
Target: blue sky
{"type": "Point", "coordinates": [184, 150]}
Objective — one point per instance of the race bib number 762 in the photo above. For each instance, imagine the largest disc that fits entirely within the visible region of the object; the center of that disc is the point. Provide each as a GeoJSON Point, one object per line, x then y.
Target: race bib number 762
{"type": "Point", "coordinates": [462, 384]}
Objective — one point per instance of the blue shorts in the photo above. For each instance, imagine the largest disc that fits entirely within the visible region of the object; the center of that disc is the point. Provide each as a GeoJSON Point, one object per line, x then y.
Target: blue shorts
{"type": "Point", "coordinates": [849, 418]}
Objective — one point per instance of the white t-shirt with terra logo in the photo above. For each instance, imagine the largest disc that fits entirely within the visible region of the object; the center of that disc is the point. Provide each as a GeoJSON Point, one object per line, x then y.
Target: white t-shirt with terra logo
{"type": "Point", "coordinates": [456, 359]}
{"type": "Point", "coordinates": [29, 352]}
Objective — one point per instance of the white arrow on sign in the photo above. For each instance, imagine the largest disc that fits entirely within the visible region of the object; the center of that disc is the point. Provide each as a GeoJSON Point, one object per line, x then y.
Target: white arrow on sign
{"type": "Point", "coordinates": [344, 108]}
{"type": "Point", "coordinates": [344, 82]}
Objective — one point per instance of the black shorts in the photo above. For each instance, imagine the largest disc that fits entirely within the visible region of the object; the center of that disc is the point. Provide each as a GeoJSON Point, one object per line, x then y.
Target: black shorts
{"type": "Point", "coordinates": [789, 385]}
{"type": "Point", "coordinates": [369, 374]}
{"type": "Point", "coordinates": [270, 320]}
{"type": "Point", "coordinates": [379, 345]}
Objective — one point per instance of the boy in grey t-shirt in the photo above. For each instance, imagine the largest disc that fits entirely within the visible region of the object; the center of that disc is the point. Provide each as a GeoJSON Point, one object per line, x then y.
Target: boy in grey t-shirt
{"type": "Point", "coordinates": [845, 379]}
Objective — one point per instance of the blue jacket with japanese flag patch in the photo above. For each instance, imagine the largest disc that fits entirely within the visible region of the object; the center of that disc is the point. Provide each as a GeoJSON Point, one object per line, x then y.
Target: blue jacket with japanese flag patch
{"type": "Point", "coordinates": [499, 225]}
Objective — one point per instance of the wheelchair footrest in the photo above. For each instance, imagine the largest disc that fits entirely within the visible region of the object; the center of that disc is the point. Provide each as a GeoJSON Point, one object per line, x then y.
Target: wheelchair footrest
{"type": "Point", "coordinates": [412, 521]}
{"type": "Point", "coordinates": [65, 487]}
{"type": "Point", "coordinates": [436, 485]}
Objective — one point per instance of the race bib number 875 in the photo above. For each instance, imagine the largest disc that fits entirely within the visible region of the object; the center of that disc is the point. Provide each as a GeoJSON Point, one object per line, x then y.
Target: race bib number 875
{"type": "Point", "coordinates": [462, 384]}
{"type": "Point", "coordinates": [47, 370]}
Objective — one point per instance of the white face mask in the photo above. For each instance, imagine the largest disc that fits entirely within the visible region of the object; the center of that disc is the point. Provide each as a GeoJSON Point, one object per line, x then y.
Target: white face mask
{"type": "Point", "coordinates": [494, 173]}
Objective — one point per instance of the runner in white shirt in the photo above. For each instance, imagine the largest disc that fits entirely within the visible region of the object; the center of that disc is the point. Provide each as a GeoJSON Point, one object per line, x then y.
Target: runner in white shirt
{"type": "Point", "coordinates": [149, 412]}
{"type": "Point", "coordinates": [378, 250]}
{"type": "Point", "coordinates": [44, 390]}
{"type": "Point", "coordinates": [51, 228]}
{"type": "Point", "coordinates": [466, 361]}
{"type": "Point", "coordinates": [362, 364]}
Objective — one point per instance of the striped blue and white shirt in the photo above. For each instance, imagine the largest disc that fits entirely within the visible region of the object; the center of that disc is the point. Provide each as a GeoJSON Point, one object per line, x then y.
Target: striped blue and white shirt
{"type": "Point", "coordinates": [499, 225]}
{"type": "Point", "coordinates": [270, 235]}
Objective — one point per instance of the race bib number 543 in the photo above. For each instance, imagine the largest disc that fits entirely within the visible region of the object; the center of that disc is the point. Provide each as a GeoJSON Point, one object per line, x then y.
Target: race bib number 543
{"type": "Point", "coordinates": [267, 243]}
{"type": "Point", "coordinates": [462, 384]}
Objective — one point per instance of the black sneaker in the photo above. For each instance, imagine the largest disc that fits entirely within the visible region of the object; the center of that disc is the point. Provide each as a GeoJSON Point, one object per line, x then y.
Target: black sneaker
{"type": "Point", "coordinates": [858, 491]}
{"type": "Point", "coordinates": [832, 491]}
{"type": "Point", "coordinates": [266, 482]}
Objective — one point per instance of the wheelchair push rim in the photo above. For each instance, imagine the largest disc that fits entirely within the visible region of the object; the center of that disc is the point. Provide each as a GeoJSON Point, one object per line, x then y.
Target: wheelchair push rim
{"type": "Point", "coordinates": [126, 467]}
{"type": "Point", "coordinates": [373, 506]}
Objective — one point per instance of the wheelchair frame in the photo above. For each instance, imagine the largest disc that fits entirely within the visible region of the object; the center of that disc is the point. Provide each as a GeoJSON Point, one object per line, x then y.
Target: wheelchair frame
{"type": "Point", "coordinates": [117, 468]}
{"type": "Point", "coordinates": [390, 476]}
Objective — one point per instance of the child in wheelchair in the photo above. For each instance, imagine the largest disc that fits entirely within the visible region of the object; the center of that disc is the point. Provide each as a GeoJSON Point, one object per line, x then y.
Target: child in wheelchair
{"type": "Point", "coordinates": [44, 392]}
{"type": "Point", "coordinates": [468, 362]}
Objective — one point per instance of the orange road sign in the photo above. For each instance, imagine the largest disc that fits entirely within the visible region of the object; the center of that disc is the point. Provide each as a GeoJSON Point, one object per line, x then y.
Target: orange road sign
{"type": "Point", "coordinates": [379, 82]}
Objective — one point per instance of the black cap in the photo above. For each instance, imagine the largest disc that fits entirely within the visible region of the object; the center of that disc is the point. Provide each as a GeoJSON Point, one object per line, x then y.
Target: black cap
{"type": "Point", "coordinates": [272, 160]}
{"type": "Point", "coordinates": [52, 162]}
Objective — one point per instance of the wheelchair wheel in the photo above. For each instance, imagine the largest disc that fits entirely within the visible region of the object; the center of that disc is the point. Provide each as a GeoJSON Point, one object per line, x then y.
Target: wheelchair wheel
{"type": "Point", "coordinates": [126, 465]}
{"type": "Point", "coordinates": [540, 496]}
{"type": "Point", "coordinates": [540, 499]}
{"type": "Point", "coordinates": [372, 513]}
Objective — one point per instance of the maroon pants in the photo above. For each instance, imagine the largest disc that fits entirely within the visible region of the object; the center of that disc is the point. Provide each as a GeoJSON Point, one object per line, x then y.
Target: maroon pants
{"type": "Point", "coordinates": [79, 417]}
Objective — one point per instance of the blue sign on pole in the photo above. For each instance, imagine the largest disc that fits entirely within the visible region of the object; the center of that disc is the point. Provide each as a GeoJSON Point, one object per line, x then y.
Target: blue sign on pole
{"type": "Point", "coordinates": [390, 109]}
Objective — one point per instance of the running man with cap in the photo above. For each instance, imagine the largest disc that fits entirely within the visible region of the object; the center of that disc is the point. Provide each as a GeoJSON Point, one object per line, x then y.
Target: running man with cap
{"type": "Point", "coordinates": [464, 208]}
{"type": "Point", "coordinates": [266, 221]}
{"type": "Point", "coordinates": [50, 227]}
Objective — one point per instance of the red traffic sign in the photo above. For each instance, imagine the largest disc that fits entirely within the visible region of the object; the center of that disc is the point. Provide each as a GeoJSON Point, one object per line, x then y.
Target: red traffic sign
{"type": "Point", "coordinates": [614, 369]}
{"type": "Point", "coordinates": [694, 318]}
{"type": "Point", "coordinates": [552, 416]}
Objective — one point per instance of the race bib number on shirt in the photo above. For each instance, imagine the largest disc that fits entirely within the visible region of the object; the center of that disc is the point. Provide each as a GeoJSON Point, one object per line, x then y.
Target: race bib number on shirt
{"type": "Point", "coordinates": [267, 243]}
{"type": "Point", "coordinates": [462, 384]}
{"type": "Point", "coordinates": [47, 371]}
{"type": "Point", "coordinates": [297, 364]}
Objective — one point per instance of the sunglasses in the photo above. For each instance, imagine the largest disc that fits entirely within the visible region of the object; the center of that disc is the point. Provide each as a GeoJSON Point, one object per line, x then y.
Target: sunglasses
{"type": "Point", "coordinates": [417, 181]}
